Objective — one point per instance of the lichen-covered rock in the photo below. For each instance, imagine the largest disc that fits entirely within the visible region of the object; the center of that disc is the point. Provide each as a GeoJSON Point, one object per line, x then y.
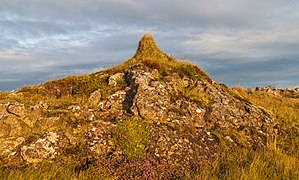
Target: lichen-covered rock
{"type": "Point", "coordinates": [183, 147]}
{"type": "Point", "coordinates": [16, 120]}
{"type": "Point", "coordinates": [48, 123]}
{"type": "Point", "coordinates": [22, 112]}
{"type": "Point", "coordinates": [151, 98]}
{"type": "Point", "coordinates": [95, 97]}
{"type": "Point", "coordinates": [45, 148]}
{"type": "Point", "coordinates": [113, 107]}
{"type": "Point", "coordinates": [114, 79]}
{"type": "Point", "coordinates": [100, 137]}
{"type": "Point", "coordinates": [9, 144]}
{"type": "Point", "coordinates": [287, 92]}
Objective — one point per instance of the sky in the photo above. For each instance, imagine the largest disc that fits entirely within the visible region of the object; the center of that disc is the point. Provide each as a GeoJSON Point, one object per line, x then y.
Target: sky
{"type": "Point", "coordinates": [238, 42]}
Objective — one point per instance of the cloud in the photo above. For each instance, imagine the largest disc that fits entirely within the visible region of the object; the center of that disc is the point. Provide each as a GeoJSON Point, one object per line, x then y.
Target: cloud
{"type": "Point", "coordinates": [249, 42]}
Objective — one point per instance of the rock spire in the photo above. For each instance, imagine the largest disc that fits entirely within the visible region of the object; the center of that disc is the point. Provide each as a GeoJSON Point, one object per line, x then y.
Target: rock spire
{"type": "Point", "coordinates": [148, 50]}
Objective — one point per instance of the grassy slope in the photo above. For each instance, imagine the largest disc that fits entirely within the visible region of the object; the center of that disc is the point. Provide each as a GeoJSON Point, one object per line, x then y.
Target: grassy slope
{"type": "Point", "coordinates": [281, 159]}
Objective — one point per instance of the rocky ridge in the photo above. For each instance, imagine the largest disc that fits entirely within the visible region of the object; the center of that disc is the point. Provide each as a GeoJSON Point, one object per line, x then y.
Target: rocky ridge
{"type": "Point", "coordinates": [150, 107]}
{"type": "Point", "coordinates": [287, 92]}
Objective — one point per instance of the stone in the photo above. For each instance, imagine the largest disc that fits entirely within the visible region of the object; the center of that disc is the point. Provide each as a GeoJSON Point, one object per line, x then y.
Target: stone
{"type": "Point", "coordinates": [95, 97]}
{"type": "Point", "coordinates": [151, 99]}
{"type": "Point", "coordinates": [21, 112]}
{"type": "Point", "coordinates": [45, 148]}
{"type": "Point", "coordinates": [9, 144]}
{"type": "Point", "coordinates": [100, 137]}
{"type": "Point", "coordinates": [114, 79]}
{"type": "Point", "coordinates": [198, 110]}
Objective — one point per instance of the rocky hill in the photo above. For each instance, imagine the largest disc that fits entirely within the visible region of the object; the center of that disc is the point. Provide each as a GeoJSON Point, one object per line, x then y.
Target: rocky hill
{"type": "Point", "coordinates": [152, 116]}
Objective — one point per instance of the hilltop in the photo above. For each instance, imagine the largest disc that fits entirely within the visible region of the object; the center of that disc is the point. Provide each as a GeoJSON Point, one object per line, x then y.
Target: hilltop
{"type": "Point", "coordinates": [150, 117]}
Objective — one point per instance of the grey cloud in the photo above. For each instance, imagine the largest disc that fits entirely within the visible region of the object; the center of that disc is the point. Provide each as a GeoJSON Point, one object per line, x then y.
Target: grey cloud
{"type": "Point", "coordinates": [262, 72]}
{"type": "Point", "coordinates": [45, 73]}
{"type": "Point", "coordinates": [205, 13]}
{"type": "Point", "coordinates": [248, 42]}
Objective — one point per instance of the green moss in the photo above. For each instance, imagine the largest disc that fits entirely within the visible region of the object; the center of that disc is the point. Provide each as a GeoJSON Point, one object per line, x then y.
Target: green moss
{"type": "Point", "coordinates": [132, 137]}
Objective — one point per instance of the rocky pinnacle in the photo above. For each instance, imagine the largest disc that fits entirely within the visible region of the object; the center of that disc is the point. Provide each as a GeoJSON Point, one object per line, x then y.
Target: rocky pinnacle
{"type": "Point", "coordinates": [148, 50]}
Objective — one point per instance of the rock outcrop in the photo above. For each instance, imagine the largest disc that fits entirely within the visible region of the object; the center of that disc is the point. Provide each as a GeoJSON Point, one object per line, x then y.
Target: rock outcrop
{"type": "Point", "coordinates": [287, 92]}
{"type": "Point", "coordinates": [152, 107]}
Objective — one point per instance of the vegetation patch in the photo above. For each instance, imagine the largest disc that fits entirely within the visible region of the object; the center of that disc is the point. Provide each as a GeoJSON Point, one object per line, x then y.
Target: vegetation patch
{"type": "Point", "coordinates": [132, 137]}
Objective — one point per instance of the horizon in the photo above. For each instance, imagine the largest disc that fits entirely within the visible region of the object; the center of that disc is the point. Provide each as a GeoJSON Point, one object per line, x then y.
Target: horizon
{"type": "Point", "coordinates": [246, 44]}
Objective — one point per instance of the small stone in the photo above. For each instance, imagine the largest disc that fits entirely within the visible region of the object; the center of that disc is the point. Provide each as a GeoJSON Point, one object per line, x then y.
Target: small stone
{"type": "Point", "coordinates": [91, 118]}
{"type": "Point", "coordinates": [95, 97]}
{"type": "Point", "coordinates": [229, 138]}
{"type": "Point", "coordinates": [101, 105]}
{"type": "Point", "coordinates": [198, 110]}
{"type": "Point", "coordinates": [115, 78]}
{"type": "Point", "coordinates": [13, 153]}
